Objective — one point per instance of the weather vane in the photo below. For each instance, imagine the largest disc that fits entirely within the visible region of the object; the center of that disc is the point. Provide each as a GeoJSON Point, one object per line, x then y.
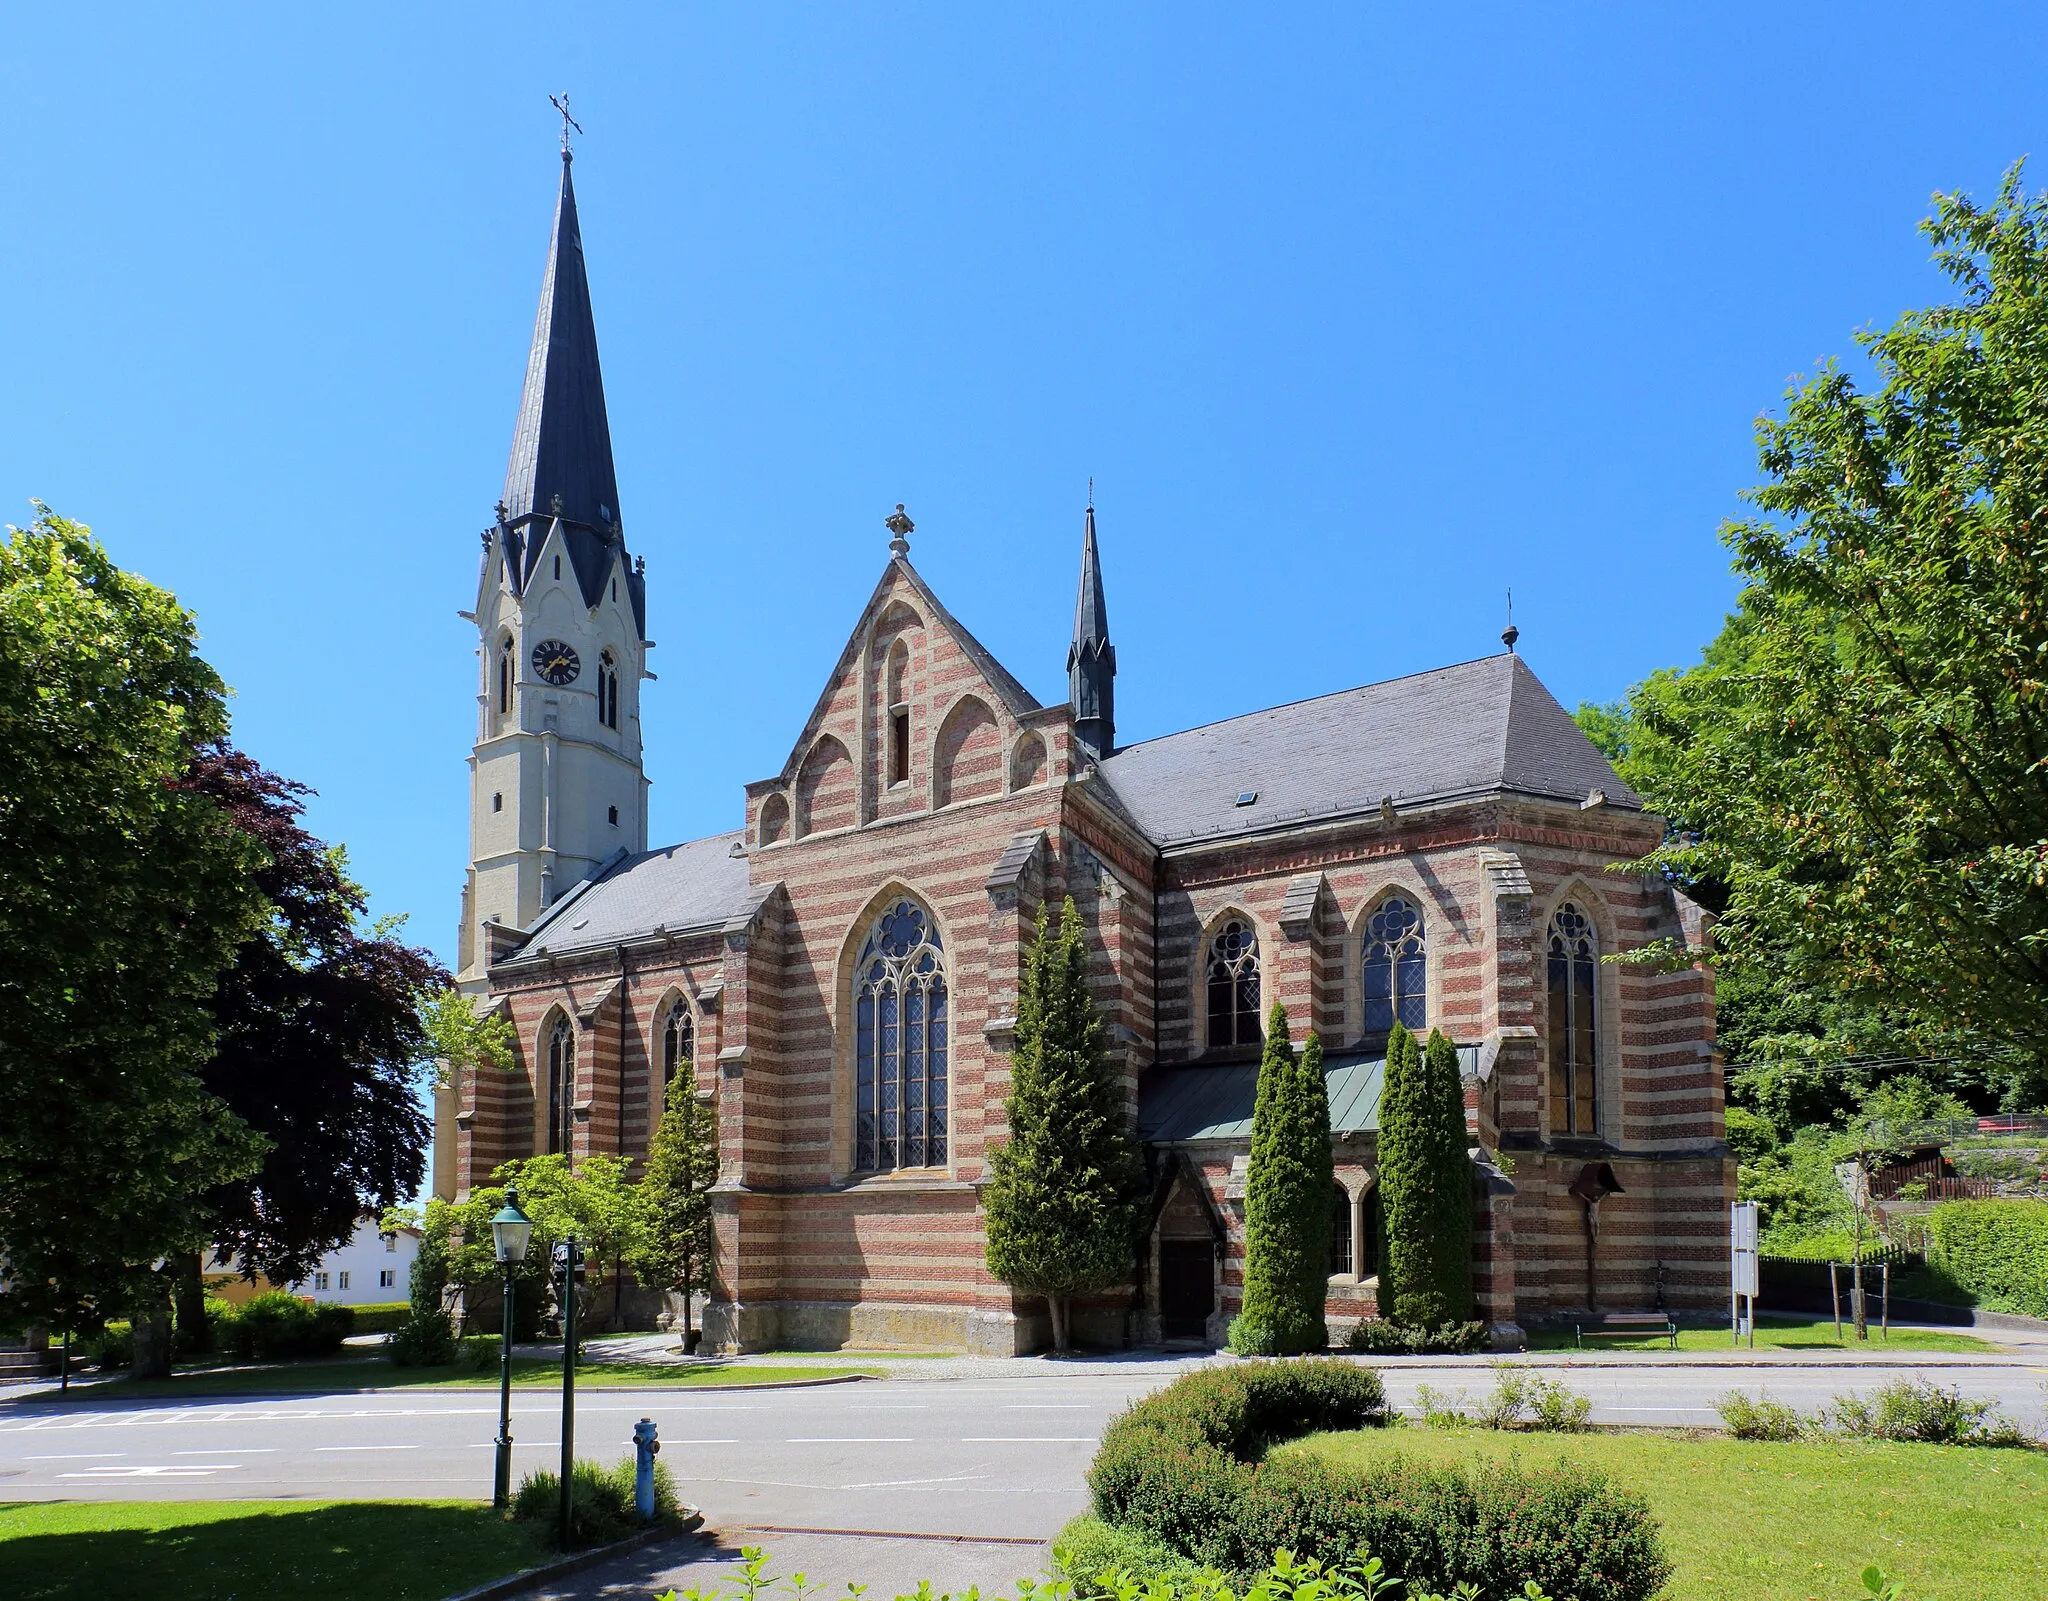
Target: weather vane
{"type": "Point", "coordinates": [561, 103]}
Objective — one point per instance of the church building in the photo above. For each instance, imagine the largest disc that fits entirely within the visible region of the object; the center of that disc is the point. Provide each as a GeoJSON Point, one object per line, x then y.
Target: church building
{"type": "Point", "coordinates": [841, 969]}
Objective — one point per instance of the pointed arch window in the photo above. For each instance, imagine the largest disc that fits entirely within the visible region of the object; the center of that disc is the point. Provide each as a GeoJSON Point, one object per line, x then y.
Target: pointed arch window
{"type": "Point", "coordinates": [899, 1019]}
{"type": "Point", "coordinates": [1396, 967]}
{"type": "Point", "coordinates": [607, 691]}
{"type": "Point", "coordinates": [1574, 1023]}
{"type": "Point", "coordinates": [505, 675]}
{"type": "Point", "coordinates": [1233, 983]}
{"type": "Point", "coordinates": [561, 1084]}
{"type": "Point", "coordinates": [678, 1045]}
{"type": "Point", "coordinates": [1342, 1217]}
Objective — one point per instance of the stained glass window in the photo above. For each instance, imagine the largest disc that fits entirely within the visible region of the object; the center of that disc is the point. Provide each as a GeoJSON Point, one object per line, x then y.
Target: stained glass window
{"type": "Point", "coordinates": [678, 1043]}
{"type": "Point", "coordinates": [1574, 1024]}
{"type": "Point", "coordinates": [1233, 978]}
{"type": "Point", "coordinates": [1396, 968]}
{"type": "Point", "coordinates": [899, 1054]}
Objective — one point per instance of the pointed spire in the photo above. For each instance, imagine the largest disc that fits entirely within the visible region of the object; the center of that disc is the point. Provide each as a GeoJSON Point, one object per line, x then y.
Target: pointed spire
{"type": "Point", "coordinates": [1091, 659]}
{"type": "Point", "coordinates": [562, 445]}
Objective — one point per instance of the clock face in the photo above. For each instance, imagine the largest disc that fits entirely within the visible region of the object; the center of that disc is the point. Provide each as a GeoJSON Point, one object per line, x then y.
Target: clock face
{"type": "Point", "coordinates": [556, 662]}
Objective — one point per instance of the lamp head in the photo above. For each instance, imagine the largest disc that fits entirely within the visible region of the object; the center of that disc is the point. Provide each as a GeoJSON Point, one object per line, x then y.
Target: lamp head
{"type": "Point", "coordinates": [511, 1230]}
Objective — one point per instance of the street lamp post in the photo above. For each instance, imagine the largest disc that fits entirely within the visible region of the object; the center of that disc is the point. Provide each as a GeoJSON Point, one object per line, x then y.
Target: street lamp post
{"type": "Point", "coordinates": [511, 1231]}
{"type": "Point", "coordinates": [569, 1259]}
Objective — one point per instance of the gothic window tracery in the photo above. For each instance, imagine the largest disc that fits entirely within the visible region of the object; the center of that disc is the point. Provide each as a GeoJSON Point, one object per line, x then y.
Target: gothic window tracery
{"type": "Point", "coordinates": [1574, 1023]}
{"type": "Point", "coordinates": [678, 1045]}
{"type": "Point", "coordinates": [900, 1057]}
{"type": "Point", "coordinates": [1233, 985]}
{"type": "Point", "coordinates": [561, 1084]}
{"type": "Point", "coordinates": [1396, 967]}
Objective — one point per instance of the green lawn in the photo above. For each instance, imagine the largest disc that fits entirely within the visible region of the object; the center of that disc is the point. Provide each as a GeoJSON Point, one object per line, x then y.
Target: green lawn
{"type": "Point", "coordinates": [1750, 1521]}
{"type": "Point", "coordinates": [365, 1373]}
{"type": "Point", "coordinates": [1775, 1334]}
{"type": "Point", "coordinates": [229, 1550]}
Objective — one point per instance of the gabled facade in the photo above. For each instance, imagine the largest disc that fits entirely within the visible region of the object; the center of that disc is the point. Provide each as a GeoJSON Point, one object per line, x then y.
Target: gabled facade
{"type": "Point", "coordinates": [840, 972]}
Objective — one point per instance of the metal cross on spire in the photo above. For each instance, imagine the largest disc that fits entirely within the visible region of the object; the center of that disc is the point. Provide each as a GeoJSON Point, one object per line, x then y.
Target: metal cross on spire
{"type": "Point", "coordinates": [561, 103]}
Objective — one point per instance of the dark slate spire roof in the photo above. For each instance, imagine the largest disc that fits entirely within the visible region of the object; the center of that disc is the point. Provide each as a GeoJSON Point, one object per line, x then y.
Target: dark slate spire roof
{"type": "Point", "coordinates": [1091, 659]}
{"type": "Point", "coordinates": [562, 444]}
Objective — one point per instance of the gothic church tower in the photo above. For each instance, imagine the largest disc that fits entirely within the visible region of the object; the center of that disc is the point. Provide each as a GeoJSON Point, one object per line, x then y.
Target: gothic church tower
{"type": "Point", "coordinates": [556, 787]}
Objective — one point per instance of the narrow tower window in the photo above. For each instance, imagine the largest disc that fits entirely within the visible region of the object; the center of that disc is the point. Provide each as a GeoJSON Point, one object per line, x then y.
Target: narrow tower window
{"type": "Point", "coordinates": [615, 817]}
{"type": "Point", "coordinates": [497, 800]}
{"type": "Point", "coordinates": [558, 567]}
{"type": "Point", "coordinates": [1574, 1024]}
{"type": "Point", "coordinates": [608, 692]}
{"type": "Point", "coordinates": [505, 676]}
{"type": "Point", "coordinates": [899, 746]}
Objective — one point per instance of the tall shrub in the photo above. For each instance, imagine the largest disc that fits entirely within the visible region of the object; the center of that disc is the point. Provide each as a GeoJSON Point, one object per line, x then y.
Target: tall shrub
{"type": "Point", "coordinates": [1063, 1202]}
{"type": "Point", "coordinates": [676, 1242]}
{"type": "Point", "coordinates": [1452, 1165]}
{"type": "Point", "coordinates": [1287, 1202]}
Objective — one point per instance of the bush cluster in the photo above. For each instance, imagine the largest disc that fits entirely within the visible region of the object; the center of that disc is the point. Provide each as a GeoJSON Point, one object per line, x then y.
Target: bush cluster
{"type": "Point", "coordinates": [422, 1341]}
{"type": "Point", "coordinates": [1381, 1337]}
{"type": "Point", "coordinates": [1521, 1399]}
{"type": "Point", "coordinates": [1916, 1410]}
{"type": "Point", "coordinates": [279, 1327]}
{"type": "Point", "coordinates": [1998, 1250]}
{"type": "Point", "coordinates": [382, 1317]}
{"type": "Point", "coordinates": [601, 1501]}
{"type": "Point", "coordinates": [1186, 1469]}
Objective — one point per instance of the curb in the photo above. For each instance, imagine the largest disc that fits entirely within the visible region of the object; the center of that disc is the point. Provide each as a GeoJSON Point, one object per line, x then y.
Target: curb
{"type": "Point", "coordinates": [562, 1567]}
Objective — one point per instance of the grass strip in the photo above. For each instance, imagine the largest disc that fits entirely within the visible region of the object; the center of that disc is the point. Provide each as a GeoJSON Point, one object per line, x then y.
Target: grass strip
{"type": "Point", "coordinates": [1771, 1522]}
{"type": "Point", "coordinates": [229, 1550]}
{"type": "Point", "coordinates": [1776, 1334]}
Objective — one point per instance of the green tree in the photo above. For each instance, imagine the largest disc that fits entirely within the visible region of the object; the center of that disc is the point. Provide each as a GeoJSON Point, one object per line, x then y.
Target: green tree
{"type": "Point", "coordinates": [1450, 1158]}
{"type": "Point", "coordinates": [1066, 1189]}
{"type": "Point", "coordinates": [1425, 1185]}
{"type": "Point", "coordinates": [124, 894]}
{"type": "Point", "coordinates": [1862, 764]}
{"type": "Point", "coordinates": [1288, 1188]}
{"type": "Point", "coordinates": [458, 1036]}
{"type": "Point", "coordinates": [676, 1244]}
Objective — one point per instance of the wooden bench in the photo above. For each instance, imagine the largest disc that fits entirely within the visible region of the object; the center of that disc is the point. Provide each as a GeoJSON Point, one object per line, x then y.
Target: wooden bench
{"type": "Point", "coordinates": [1627, 1325]}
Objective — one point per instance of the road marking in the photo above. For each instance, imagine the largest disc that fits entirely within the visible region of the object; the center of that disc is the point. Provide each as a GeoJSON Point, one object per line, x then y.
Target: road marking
{"type": "Point", "coordinates": [227, 1450]}
{"type": "Point", "coordinates": [1027, 1439]}
{"type": "Point", "coordinates": [849, 1439]}
{"type": "Point", "coordinates": [410, 1447]}
{"type": "Point", "coordinates": [1046, 1406]}
{"type": "Point", "coordinates": [186, 1470]}
{"type": "Point", "coordinates": [71, 1456]}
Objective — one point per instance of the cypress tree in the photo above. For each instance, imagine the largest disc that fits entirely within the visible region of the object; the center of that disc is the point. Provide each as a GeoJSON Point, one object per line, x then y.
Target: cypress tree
{"type": "Point", "coordinates": [1287, 1202]}
{"type": "Point", "coordinates": [1453, 1182]}
{"type": "Point", "coordinates": [1065, 1196]}
{"type": "Point", "coordinates": [1410, 1291]}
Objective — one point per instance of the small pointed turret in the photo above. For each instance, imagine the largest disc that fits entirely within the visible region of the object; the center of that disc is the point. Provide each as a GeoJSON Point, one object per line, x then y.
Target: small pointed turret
{"type": "Point", "coordinates": [561, 463]}
{"type": "Point", "coordinates": [1091, 659]}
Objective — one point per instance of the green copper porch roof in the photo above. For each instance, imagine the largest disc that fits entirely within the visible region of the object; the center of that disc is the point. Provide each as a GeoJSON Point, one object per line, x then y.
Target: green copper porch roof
{"type": "Point", "coordinates": [1177, 1104]}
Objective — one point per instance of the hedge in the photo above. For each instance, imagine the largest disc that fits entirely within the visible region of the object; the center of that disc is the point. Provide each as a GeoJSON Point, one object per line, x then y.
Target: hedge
{"type": "Point", "coordinates": [1997, 1250]}
{"type": "Point", "coordinates": [381, 1317]}
{"type": "Point", "coordinates": [1185, 1467]}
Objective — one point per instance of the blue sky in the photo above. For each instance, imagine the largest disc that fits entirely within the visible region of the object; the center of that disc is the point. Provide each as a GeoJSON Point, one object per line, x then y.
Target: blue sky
{"type": "Point", "coordinates": [1357, 318]}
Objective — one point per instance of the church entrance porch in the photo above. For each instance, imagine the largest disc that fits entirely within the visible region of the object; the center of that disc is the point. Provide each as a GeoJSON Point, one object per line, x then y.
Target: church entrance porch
{"type": "Point", "coordinates": [1187, 1288]}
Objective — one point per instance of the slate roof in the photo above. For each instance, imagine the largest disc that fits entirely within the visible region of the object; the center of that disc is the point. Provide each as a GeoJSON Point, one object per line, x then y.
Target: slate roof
{"type": "Point", "coordinates": [691, 886]}
{"type": "Point", "coordinates": [1177, 1104]}
{"type": "Point", "coordinates": [1477, 728]}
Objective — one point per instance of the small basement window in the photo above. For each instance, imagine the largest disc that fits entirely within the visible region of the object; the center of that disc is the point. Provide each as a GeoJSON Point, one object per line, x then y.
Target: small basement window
{"type": "Point", "coordinates": [1246, 797]}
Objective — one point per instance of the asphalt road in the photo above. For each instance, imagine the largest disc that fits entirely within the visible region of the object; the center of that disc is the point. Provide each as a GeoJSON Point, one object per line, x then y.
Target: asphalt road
{"type": "Point", "coordinates": [973, 1457]}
